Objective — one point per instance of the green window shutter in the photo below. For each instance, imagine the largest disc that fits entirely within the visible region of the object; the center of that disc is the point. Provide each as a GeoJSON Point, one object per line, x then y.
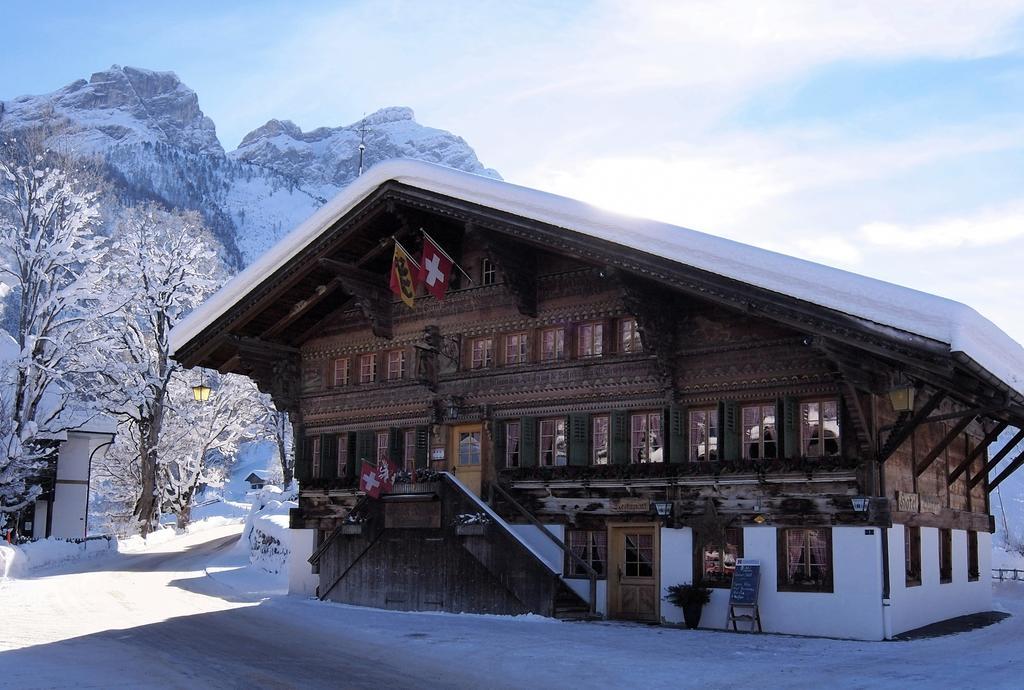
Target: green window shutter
{"type": "Point", "coordinates": [499, 445]}
{"type": "Point", "coordinates": [528, 442]}
{"type": "Point", "coordinates": [353, 468]}
{"type": "Point", "coordinates": [365, 448]}
{"type": "Point", "coordinates": [789, 427]}
{"type": "Point", "coordinates": [421, 447]}
{"type": "Point", "coordinates": [329, 456]}
{"type": "Point", "coordinates": [579, 439]}
{"type": "Point", "coordinates": [396, 446]}
{"type": "Point", "coordinates": [619, 423]}
{"type": "Point", "coordinates": [675, 436]}
{"type": "Point", "coordinates": [304, 466]}
{"type": "Point", "coordinates": [729, 428]}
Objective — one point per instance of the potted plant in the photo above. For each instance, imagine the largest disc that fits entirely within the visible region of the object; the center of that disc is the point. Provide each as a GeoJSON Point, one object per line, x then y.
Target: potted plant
{"type": "Point", "coordinates": [691, 599]}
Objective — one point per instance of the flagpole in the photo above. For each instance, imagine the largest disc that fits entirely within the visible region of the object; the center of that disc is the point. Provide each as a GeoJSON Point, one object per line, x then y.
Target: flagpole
{"type": "Point", "coordinates": [440, 249]}
{"type": "Point", "coordinates": [408, 255]}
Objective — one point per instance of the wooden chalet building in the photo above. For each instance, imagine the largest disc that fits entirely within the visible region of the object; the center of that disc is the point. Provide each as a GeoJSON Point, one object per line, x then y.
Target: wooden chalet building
{"type": "Point", "coordinates": [597, 370]}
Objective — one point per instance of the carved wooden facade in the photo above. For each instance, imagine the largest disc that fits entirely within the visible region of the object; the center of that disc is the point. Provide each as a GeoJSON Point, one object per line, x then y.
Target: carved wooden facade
{"type": "Point", "coordinates": [709, 346]}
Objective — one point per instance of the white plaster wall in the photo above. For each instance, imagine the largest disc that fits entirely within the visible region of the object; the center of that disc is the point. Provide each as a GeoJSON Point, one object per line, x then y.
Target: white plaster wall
{"type": "Point", "coordinates": [39, 518]}
{"type": "Point", "coordinates": [582, 587]}
{"type": "Point", "coordinates": [676, 568]}
{"type": "Point", "coordinates": [71, 500]}
{"type": "Point", "coordinates": [929, 602]}
{"type": "Point", "coordinates": [70, 504]}
{"type": "Point", "coordinates": [301, 580]}
{"type": "Point", "coordinates": [853, 610]}
{"type": "Point", "coordinates": [73, 461]}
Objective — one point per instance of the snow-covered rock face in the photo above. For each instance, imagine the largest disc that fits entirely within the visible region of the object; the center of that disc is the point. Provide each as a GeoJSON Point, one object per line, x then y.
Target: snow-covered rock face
{"type": "Point", "coordinates": [122, 105]}
{"type": "Point", "coordinates": [326, 159]}
{"type": "Point", "coordinates": [157, 144]}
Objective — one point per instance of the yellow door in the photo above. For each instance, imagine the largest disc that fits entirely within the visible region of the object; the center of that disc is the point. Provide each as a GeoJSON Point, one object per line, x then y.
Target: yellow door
{"type": "Point", "coordinates": [467, 455]}
{"type": "Point", "coordinates": [633, 577]}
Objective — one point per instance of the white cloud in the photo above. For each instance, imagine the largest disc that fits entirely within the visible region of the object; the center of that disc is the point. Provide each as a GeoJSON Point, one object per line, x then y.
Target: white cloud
{"type": "Point", "coordinates": [983, 228]}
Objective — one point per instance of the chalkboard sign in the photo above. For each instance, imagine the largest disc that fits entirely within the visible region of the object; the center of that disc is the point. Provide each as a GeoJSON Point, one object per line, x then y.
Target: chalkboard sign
{"type": "Point", "coordinates": [745, 580]}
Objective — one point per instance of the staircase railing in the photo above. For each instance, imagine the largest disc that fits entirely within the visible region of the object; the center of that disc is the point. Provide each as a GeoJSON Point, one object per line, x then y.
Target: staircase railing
{"type": "Point", "coordinates": [575, 559]}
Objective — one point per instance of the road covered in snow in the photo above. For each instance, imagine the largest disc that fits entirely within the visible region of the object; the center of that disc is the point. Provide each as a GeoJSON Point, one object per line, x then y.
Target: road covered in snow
{"type": "Point", "coordinates": [187, 614]}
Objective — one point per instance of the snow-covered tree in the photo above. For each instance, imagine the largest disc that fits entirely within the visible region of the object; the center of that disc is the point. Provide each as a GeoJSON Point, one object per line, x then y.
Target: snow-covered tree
{"type": "Point", "coordinates": [278, 428]}
{"type": "Point", "coordinates": [197, 434]}
{"type": "Point", "coordinates": [49, 261]}
{"type": "Point", "coordinates": [162, 264]}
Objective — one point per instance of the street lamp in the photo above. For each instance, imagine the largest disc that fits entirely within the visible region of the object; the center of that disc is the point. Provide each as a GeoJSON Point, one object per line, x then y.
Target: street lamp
{"type": "Point", "coordinates": [201, 393]}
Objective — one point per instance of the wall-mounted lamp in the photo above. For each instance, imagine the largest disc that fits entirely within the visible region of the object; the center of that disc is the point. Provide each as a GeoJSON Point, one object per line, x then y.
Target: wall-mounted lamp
{"type": "Point", "coordinates": [860, 503]}
{"type": "Point", "coordinates": [902, 398]}
{"type": "Point", "coordinates": [662, 508]}
{"type": "Point", "coordinates": [201, 393]}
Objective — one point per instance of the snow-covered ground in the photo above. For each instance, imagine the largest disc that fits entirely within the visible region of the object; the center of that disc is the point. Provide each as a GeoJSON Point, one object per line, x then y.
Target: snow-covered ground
{"type": "Point", "coordinates": [191, 612]}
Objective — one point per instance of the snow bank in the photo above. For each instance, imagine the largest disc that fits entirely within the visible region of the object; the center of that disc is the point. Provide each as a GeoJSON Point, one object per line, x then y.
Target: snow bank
{"type": "Point", "coordinates": [18, 561]}
{"type": "Point", "coordinates": [266, 533]}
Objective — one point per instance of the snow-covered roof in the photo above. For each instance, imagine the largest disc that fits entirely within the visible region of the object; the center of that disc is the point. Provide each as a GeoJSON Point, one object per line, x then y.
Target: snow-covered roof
{"type": "Point", "coordinates": [946, 321]}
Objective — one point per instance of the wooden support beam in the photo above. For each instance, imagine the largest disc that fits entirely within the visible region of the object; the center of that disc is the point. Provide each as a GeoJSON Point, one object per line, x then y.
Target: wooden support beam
{"type": "Point", "coordinates": [369, 291]}
{"type": "Point", "coordinates": [978, 450]}
{"type": "Point", "coordinates": [903, 431]}
{"type": "Point", "coordinates": [996, 459]}
{"type": "Point", "coordinates": [935, 452]}
{"type": "Point", "coordinates": [301, 308]}
{"type": "Point", "coordinates": [1010, 469]}
{"type": "Point", "coordinates": [860, 420]}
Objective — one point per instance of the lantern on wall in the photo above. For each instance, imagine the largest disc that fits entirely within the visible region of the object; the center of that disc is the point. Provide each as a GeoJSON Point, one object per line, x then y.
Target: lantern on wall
{"type": "Point", "coordinates": [902, 398]}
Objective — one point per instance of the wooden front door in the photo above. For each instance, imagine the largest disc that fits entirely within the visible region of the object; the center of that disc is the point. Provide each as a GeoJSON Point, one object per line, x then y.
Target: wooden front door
{"type": "Point", "coordinates": [633, 578]}
{"type": "Point", "coordinates": [467, 455]}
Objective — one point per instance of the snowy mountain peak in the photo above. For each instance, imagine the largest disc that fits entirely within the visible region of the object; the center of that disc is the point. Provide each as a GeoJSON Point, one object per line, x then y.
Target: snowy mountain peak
{"type": "Point", "coordinates": [118, 106]}
{"type": "Point", "coordinates": [157, 144]}
{"type": "Point", "coordinates": [327, 158]}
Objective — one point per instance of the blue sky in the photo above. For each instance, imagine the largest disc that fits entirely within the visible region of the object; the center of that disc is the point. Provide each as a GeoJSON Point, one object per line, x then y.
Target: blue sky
{"type": "Point", "coordinates": [884, 138]}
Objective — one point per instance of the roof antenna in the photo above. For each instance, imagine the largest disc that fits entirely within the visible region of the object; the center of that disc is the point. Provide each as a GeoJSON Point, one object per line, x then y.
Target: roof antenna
{"type": "Point", "coordinates": [362, 144]}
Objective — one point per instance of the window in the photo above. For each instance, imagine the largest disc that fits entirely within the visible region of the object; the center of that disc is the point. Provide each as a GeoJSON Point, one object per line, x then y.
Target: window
{"type": "Point", "coordinates": [396, 365]}
{"type": "Point", "coordinates": [315, 444]}
{"type": "Point", "coordinates": [469, 447]}
{"type": "Point", "coordinates": [409, 450]}
{"type": "Point", "coordinates": [645, 437]}
{"type": "Point", "coordinates": [590, 339]}
{"type": "Point", "coordinates": [552, 344]}
{"type": "Point", "coordinates": [638, 559]}
{"type": "Point", "coordinates": [945, 555]}
{"type": "Point", "coordinates": [591, 546]}
{"type": "Point", "coordinates": [912, 548]}
{"type": "Point", "coordinates": [704, 435]}
{"type": "Point", "coordinates": [759, 438]}
{"type": "Point", "coordinates": [482, 353]}
{"type": "Point", "coordinates": [341, 457]}
{"type": "Point", "coordinates": [973, 570]}
{"type": "Point", "coordinates": [819, 428]}
{"type": "Point", "coordinates": [488, 274]}
{"type": "Point", "coordinates": [719, 556]}
{"type": "Point", "coordinates": [515, 348]}
{"type": "Point", "coordinates": [805, 560]}
{"type": "Point", "coordinates": [629, 336]}
{"type": "Point", "coordinates": [367, 368]}
{"type": "Point", "coordinates": [599, 435]}
{"type": "Point", "coordinates": [552, 442]}
{"type": "Point", "coordinates": [383, 447]}
{"type": "Point", "coordinates": [512, 444]}
{"type": "Point", "coordinates": [341, 368]}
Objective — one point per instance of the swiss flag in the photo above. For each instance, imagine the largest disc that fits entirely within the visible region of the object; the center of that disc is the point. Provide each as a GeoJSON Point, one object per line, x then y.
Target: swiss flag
{"type": "Point", "coordinates": [435, 268]}
{"type": "Point", "coordinates": [368, 481]}
{"type": "Point", "coordinates": [377, 479]}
